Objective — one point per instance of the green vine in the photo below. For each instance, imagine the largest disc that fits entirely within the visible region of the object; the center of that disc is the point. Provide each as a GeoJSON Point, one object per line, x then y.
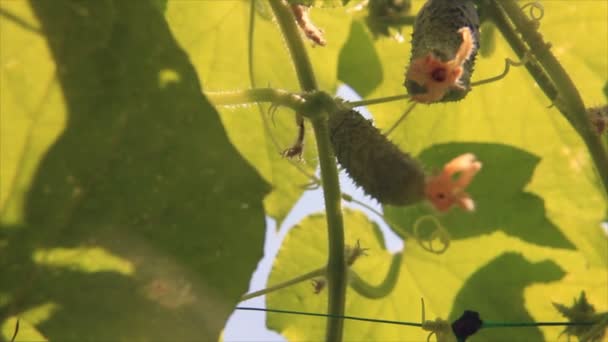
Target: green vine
{"type": "Point", "coordinates": [336, 267]}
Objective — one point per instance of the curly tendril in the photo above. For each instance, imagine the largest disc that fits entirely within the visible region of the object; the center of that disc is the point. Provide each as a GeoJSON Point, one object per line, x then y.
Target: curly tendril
{"type": "Point", "coordinates": [536, 11]}
{"type": "Point", "coordinates": [508, 64]}
{"type": "Point", "coordinates": [439, 233]}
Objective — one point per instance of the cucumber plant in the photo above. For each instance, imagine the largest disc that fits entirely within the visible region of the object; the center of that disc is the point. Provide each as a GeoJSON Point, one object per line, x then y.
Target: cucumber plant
{"type": "Point", "coordinates": [145, 144]}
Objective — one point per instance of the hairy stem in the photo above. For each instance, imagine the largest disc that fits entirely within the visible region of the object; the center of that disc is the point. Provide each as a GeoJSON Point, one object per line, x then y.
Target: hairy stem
{"type": "Point", "coordinates": [277, 97]}
{"type": "Point", "coordinates": [295, 44]}
{"type": "Point", "coordinates": [565, 94]}
{"type": "Point", "coordinates": [378, 100]}
{"type": "Point", "coordinates": [312, 274]}
{"type": "Point", "coordinates": [336, 266]}
{"type": "Point", "coordinates": [250, 45]}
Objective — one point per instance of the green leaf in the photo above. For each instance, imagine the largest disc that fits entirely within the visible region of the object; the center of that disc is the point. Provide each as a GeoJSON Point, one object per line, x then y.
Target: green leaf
{"type": "Point", "coordinates": [357, 57]}
{"type": "Point", "coordinates": [141, 220]}
{"type": "Point", "coordinates": [32, 107]}
{"type": "Point", "coordinates": [26, 331]}
{"type": "Point", "coordinates": [540, 188]}
{"type": "Point", "coordinates": [514, 112]}
{"type": "Point", "coordinates": [218, 49]}
{"type": "Point", "coordinates": [530, 224]}
{"type": "Point", "coordinates": [304, 249]}
{"type": "Point", "coordinates": [466, 277]}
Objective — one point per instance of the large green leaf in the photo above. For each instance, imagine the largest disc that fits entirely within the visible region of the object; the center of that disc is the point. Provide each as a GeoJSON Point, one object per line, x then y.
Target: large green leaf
{"type": "Point", "coordinates": [469, 276]}
{"type": "Point", "coordinates": [359, 56]}
{"type": "Point", "coordinates": [33, 111]}
{"type": "Point", "coordinates": [513, 111]}
{"type": "Point", "coordinates": [530, 224]}
{"type": "Point", "coordinates": [218, 48]}
{"type": "Point", "coordinates": [141, 221]}
{"type": "Point", "coordinates": [304, 249]}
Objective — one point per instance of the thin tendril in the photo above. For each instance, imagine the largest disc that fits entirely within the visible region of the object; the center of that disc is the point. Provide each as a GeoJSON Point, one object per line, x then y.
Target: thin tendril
{"type": "Point", "coordinates": [536, 10]}
{"type": "Point", "coordinates": [378, 100]}
{"type": "Point", "coordinates": [423, 311]}
{"type": "Point", "coordinates": [508, 64]}
{"type": "Point", "coordinates": [312, 185]}
{"type": "Point", "coordinates": [272, 109]}
{"type": "Point", "coordinates": [16, 331]}
{"type": "Point", "coordinates": [439, 233]}
{"type": "Point", "coordinates": [312, 274]}
{"type": "Point", "coordinates": [408, 110]}
{"type": "Point", "coordinates": [390, 223]}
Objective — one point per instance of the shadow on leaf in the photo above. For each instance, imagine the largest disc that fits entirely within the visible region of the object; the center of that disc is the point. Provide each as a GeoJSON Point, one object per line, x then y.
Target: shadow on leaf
{"type": "Point", "coordinates": [496, 291]}
{"type": "Point", "coordinates": [143, 179]}
{"type": "Point", "coordinates": [499, 193]}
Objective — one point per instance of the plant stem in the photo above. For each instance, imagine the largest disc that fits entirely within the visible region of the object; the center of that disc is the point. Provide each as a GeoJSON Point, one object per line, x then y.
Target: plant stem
{"type": "Point", "coordinates": [250, 37]}
{"type": "Point", "coordinates": [312, 274]}
{"type": "Point", "coordinates": [566, 97]}
{"type": "Point", "coordinates": [408, 110]}
{"type": "Point", "coordinates": [295, 44]}
{"type": "Point", "coordinates": [240, 97]}
{"type": "Point", "coordinates": [336, 266]}
{"type": "Point", "coordinates": [378, 100]}
{"type": "Point", "coordinates": [383, 289]}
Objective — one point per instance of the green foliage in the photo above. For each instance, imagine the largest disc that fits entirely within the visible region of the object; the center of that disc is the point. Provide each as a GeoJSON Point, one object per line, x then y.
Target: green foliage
{"type": "Point", "coordinates": [218, 50]}
{"type": "Point", "coordinates": [539, 203]}
{"type": "Point", "coordinates": [125, 202]}
{"type": "Point", "coordinates": [359, 56]}
{"type": "Point", "coordinates": [132, 208]}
